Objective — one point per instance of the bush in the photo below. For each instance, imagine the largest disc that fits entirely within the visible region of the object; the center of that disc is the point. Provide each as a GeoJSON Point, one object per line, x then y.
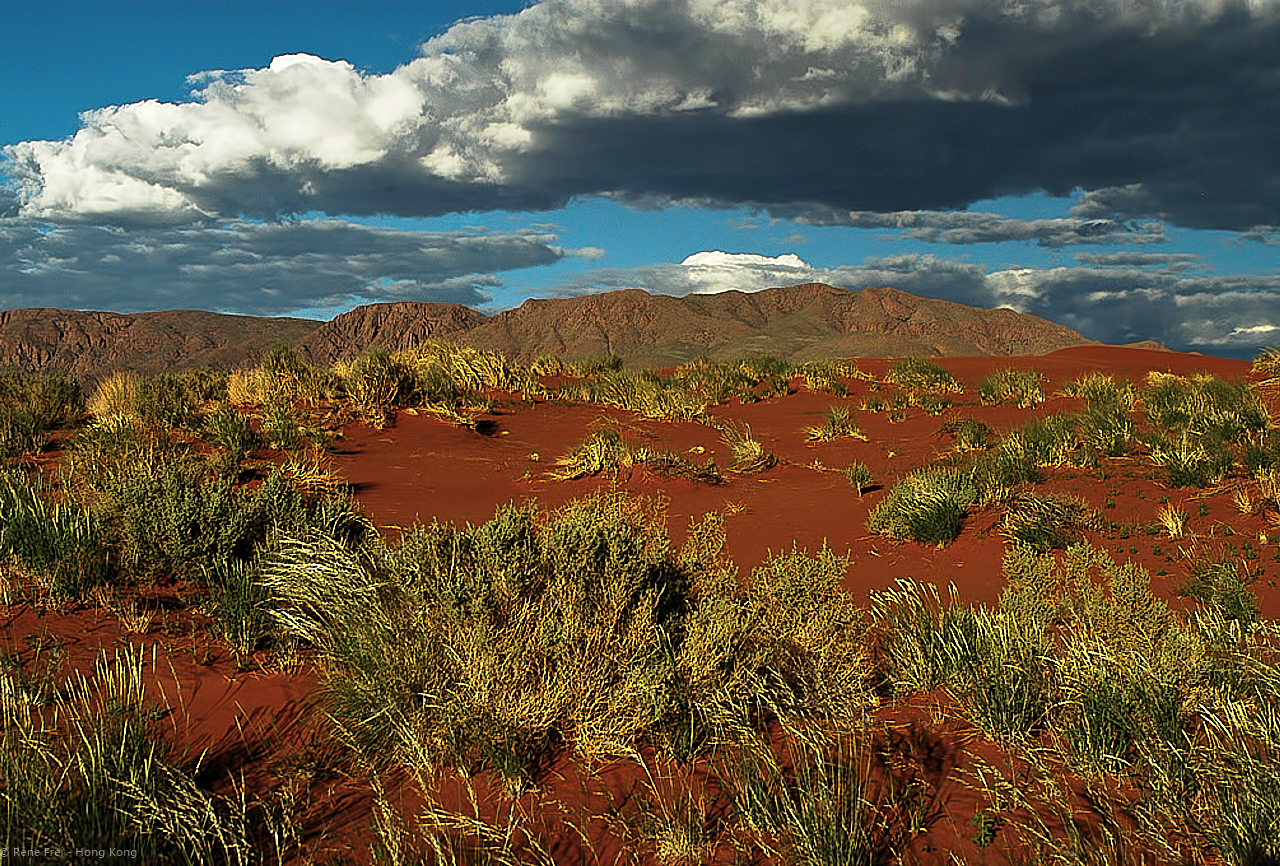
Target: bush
{"type": "Point", "coordinates": [485, 646]}
{"type": "Point", "coordinates": [925, 506]}
{"type": "Point", "coordinates": [230, 431]}
{"type": "Point", "coordinates": [1048, 441]}
{"type": "Point", "coordinates": [860, 477]}
{"type": "Point", "coordinates": [917, 374]}
{"type": "Point", "coordinates": [1191, 460]}
{"type": "Point", "coordinates": [969, 434]}
{"type": "Point", "coordinates": [1204, 406]}
{"type": "Point", "coordinates": [1020, 387]}
{"type": "Point", "coordinates": [1104, 424]}
{"type": "Point", "coordinates": [31, 406]}
{"type": "Point", "coordinates": [164, 401]}
{"type": "Point", "coordinates": [1046, 522]}
{"type": "Point", "coordinates": [378, 383]}
{"type": "Point", "coordinates": [596, 364]}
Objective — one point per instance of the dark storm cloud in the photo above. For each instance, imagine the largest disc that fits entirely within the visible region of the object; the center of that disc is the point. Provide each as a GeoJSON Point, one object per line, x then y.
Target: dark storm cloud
{"type": "Point", "coordinates": [971, 227]}
{"type": "Point", "coordinates": [1133, 259]}
{"type": "Point", "coordinates": [256, 268]}
{"type": "Point", "coordinates": [795, 106]}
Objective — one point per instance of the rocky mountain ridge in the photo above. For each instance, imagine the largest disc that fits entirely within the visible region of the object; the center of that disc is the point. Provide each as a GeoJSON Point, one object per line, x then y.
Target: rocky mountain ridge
{"type": "Point", "coordinates": [802, 322]}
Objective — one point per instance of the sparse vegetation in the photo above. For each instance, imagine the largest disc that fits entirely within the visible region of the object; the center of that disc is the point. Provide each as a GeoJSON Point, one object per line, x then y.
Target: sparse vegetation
{"type": "Point", "coordinates": [1112, 725]}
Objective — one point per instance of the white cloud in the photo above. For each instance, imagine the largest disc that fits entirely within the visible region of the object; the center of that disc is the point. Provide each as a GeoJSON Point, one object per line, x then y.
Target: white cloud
{"type": "Point", "coordinates": [714, 271]}
{"type": "Point", "coordinates": [863, 106]}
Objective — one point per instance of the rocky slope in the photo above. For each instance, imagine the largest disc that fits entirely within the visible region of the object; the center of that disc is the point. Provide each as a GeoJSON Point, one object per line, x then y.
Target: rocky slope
{"type": "Point", "coordinates": [88, 345]}
{"type": "Point", "coordinates": [801, 322]}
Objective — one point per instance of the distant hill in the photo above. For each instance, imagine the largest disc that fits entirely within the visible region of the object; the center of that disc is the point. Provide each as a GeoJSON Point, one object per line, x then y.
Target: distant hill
{"type": "Point", "coordinates": [799, 323]}
{"type": "Point", "coordinates": [88, 344]}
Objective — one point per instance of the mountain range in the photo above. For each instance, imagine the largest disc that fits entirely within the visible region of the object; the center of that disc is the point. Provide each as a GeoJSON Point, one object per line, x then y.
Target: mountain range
{"type": "Point", "coordinates": [801, 322]}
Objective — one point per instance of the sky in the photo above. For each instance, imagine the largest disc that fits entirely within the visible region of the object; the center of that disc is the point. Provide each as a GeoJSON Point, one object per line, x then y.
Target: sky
{"type": "Point", "coordinates": [1111, 165]}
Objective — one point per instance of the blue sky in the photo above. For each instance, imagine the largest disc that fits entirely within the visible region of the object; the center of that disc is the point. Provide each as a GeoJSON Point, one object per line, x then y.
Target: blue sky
{"type": "Point", "coordinates": [1108, 165]}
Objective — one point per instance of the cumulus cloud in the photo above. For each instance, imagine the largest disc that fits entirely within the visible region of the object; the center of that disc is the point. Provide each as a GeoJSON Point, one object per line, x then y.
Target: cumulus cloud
{"type": "Point", "coordinates": [1153, 108]}
{"type": "Point", "coordinates": [257, 268]}
{"type": "Point", "coordinates": [1116, 303]}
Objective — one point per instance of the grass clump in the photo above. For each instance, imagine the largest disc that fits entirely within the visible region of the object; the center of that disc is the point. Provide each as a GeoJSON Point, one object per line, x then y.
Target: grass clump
{"type": "Point", "coordinates": [969, 434]}
{"type": "Point", "coordinates": [747, 455]}
{"type": "Point", "coordinates": [837, 425]}
{"type": "Point", "coordinates": [94, 770]}
{"type": "Point", "coordinates": [1046, 522]}
{"type": "Point", "coordinates": [1215, 579]}
{"type": "Point", "coordinates": [1019, 387]}
{"type": "Point", "coordinates": [377, 384]}
{"type": "Point", "coordinates": [925, 506]}
{"type": "Point", "coordinates": [605, 451]}
{"type": "Point", "coordinates": [820, 805]}
{"type": "Point", "coordinates": [917, 374]}
{"type": "Point", "coordinates": [56, 542]}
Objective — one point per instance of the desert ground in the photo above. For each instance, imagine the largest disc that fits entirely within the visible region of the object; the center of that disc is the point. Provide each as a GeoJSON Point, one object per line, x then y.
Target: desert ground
{"type": "Point", "coordinates": [1078, 668]}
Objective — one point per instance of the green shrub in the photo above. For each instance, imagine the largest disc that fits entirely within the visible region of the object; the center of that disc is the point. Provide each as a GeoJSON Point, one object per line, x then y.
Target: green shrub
{"type": "Point", "coordinates": [164, 400]}
{"type": "Point", "coordinates": [31, 406]}
{"type": "Point", "coordinates": [58, 542]}
{"type": "Point", "coordinates": [1215, 580]}
{"type": "Point", "coordinates": [230, 431]}
{"type": "Point", "coordinates": [596, 364]}
{"type": "Point", "coordinates": [820, 805]}
{"type": "Point", "coordinates": [1048, 441]}
{"type": "Point", "coordinates": [1046, 521]}
{"type": "Point", "coordinates": [1104, 425]}
{"type": "Point", "coordinates": [1020, 387]}
{"type": "Point", "coordinates": [925, 506]}
{"type": "Point", "coordinates": [483, 646]}
{"type": "Point", "coordinates": [860, 477]}
{"type": "Point", "coordinates": [1204, 405]}
{"type": "Point", "coordinates": [645, 393]}
{"type": "Point", "coordinates": [917, 374]}
{"type": "Point", "coordinates": [1191, 460]}
{"type": "Point", "coordinates": [378, 383]}
{"type": "Point", "coordinates": [281, 426]}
